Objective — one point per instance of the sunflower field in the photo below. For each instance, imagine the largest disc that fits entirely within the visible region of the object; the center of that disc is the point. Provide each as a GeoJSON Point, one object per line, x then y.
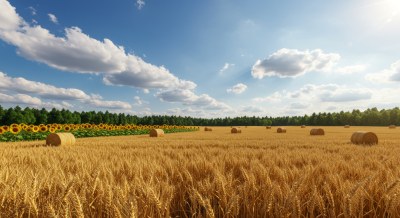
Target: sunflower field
{"type": "Point", "coordinates": [24, 132]}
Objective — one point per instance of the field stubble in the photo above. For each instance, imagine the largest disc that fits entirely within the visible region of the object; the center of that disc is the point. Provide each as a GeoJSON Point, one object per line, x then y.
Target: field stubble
{"type": "Point", "coordinates": [257, 173]}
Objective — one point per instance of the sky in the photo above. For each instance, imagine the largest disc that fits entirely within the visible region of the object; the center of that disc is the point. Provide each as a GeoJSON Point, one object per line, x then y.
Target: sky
{"type": "Point", "coordinates": [208, 58]}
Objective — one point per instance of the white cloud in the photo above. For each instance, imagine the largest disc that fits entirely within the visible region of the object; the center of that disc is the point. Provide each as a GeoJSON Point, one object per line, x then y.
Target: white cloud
{"type": "Point", "coordinates": [225, 68]}
{"type": "Point", "coordinates": [24, 86]}
{"type": "Point", "coordinates": [237, 89]}
{"type": "Point", "coordinates": [388, 75]}
{"type": "Point", "coordinates": [53, 18]}
{"type": "Point", "coordinates": [27, 100]}
{"type": "Point", "coordinates": [9, 20]}
{"type": "Point", "coordinates": [20, 99]}
{"type": "Point", "coordinates": [140, 4]}
{"type": "Point", "coordinates": [188, 97]}
{"type": "Point", "coordinates": [78, 52]}
{"type": "Point", "coordinates": [292, 63]}
{"type": "Point", "coordinates": [317, 98]}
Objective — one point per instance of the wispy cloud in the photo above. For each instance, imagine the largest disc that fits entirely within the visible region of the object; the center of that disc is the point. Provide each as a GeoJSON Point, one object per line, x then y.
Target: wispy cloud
{"type": "Point", "coordinates": [140, 4]}
{"type": "Point", "coordinates": [225, 68]}
{"type": "Point", "coordinates": [53, 18]}
{"type": "Point", "coordinates": [237, 89]}
{"type": "Point", "coordinates": [33, 10]}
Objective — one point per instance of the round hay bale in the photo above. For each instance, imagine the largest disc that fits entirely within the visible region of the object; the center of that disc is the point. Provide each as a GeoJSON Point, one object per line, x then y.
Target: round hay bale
{"type": "Point", "coordinates": [156, 133]}
{"type": "Point", "coordinates": [281, 130]}
{"type": "Point", "coordinates": [347, 126]}
{"type": "Point", "coordinates": [303, 126]}
{"type": "Point", "coordinates": [268, 127]}
{"type": "Point", "coordinates": [236, 130]}
{"type": "Point", "coordinates": [317, 131]}
{"type": "Point", "coordinates": [60, 139]}
{"type": "Point", "coordinates": [363, 137]}
{"type": "Point", "coordinates": [392, 127]}
{"type": "Point", "coordinates": [207, 129]}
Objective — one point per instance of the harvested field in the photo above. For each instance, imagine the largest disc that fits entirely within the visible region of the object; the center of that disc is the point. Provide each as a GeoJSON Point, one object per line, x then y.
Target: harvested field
{"type": "Point", "coordinates": [216, 174]}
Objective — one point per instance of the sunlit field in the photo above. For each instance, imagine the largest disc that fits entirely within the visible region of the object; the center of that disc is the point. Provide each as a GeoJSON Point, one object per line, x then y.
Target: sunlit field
{"type": "Point", "coordinates": [258, 173]}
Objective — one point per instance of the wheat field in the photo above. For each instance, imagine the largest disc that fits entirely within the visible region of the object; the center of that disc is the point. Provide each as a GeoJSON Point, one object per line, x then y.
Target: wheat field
{"type": "Point", "coordinates": [257, 173]}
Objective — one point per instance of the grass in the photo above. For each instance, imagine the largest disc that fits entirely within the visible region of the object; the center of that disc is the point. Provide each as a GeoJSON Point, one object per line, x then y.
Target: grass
{"type": "Point", "coordinates": [257, 173]}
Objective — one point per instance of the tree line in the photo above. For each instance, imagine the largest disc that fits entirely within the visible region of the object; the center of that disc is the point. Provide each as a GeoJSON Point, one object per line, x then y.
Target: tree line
{"type": "Point", "coordinates": [369, 117]}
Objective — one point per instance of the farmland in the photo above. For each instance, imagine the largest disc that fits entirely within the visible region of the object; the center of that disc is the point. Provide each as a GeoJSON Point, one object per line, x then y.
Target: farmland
{"type": "Point", "coordinates": [257, 173]}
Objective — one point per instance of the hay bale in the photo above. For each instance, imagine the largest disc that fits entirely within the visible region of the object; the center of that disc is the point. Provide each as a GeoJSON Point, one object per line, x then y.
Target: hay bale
{"type": "Point", "coordinates": [236, 130]}
{"type": "Point", "coordinates": [156, 133]}
{"type": "Point", "coordinates": [207, 129]}
{"type": "Point", "coordinates": [303, 126]}
{"type": "Point", "coordinates": [268, 127]}
{"type": "Point", "coordinates": [392, 127]}
{"type": "Point", "coordinates": [363, 137]}
{"type": "Point", "coordinates": [281, 130]}
{"type": "Point", "coordinates": [317, 131]}
{"type": "Point", "coordinates": [347, 126]}
{"type": "Point", "coordinates": [60, 139]}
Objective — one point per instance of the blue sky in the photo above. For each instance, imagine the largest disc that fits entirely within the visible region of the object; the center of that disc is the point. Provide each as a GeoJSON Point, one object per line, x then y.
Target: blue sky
{"type": "Point", "coordinates": [210, 58]}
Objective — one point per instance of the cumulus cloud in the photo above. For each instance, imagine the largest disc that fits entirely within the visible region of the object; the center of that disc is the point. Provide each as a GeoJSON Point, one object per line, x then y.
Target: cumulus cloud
{"type": "Point", "coordinates": [188, 97]}
{"type": "Point", "coordinates": [9, 20]}
{"type": "Point", "coordinates": [225, 68]}
{"type": "Point", "coordinates": [20, 99]}
{"type": "Point", "coordinates": [388, 75]}
{"type": "Point", "coordinates": [78, 52]}
{"type": "Point", "coordinates": [23, 87]}
{"type": "Point", "coordinates": [53, 18]}
{"type": "Point", "coordinates": [317, 98]}
{"type": "Point", "coordinates": [237, 89]}
{"type": "Point", "coordinates": [292, 63]}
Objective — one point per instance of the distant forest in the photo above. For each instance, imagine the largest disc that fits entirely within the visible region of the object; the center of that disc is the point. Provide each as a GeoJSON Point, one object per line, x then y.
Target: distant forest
{"type": "Point", "coordinates": [369, 117]}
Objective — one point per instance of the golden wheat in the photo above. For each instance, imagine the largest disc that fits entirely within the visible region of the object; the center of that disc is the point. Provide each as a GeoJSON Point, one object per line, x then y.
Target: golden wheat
{"type": "Point", "coordinates": [215, 174]}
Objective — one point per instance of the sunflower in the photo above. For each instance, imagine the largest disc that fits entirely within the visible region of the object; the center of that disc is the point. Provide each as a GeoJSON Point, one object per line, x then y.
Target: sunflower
{"type": "Point", "coordinates": [43, 128]}
{"type": "Point", "coordinates": [59, 127]}
{"type": "Point", "coordinates": [67, 128]}
{"type": "Point", "coordinates": [52, 129]}
{"type": "Point", "coordinates": [24, 127]}
{"type": "Point", "coordinates": [15, 129]}
{"type": "Point", "coordinates": [35, 129]}
{"type": "Point", "coordinates": [6, 128]}
{"type": "Point", "coordinates": [1, 131]}
{"type": "Point", "coordinates": [14, 125]}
